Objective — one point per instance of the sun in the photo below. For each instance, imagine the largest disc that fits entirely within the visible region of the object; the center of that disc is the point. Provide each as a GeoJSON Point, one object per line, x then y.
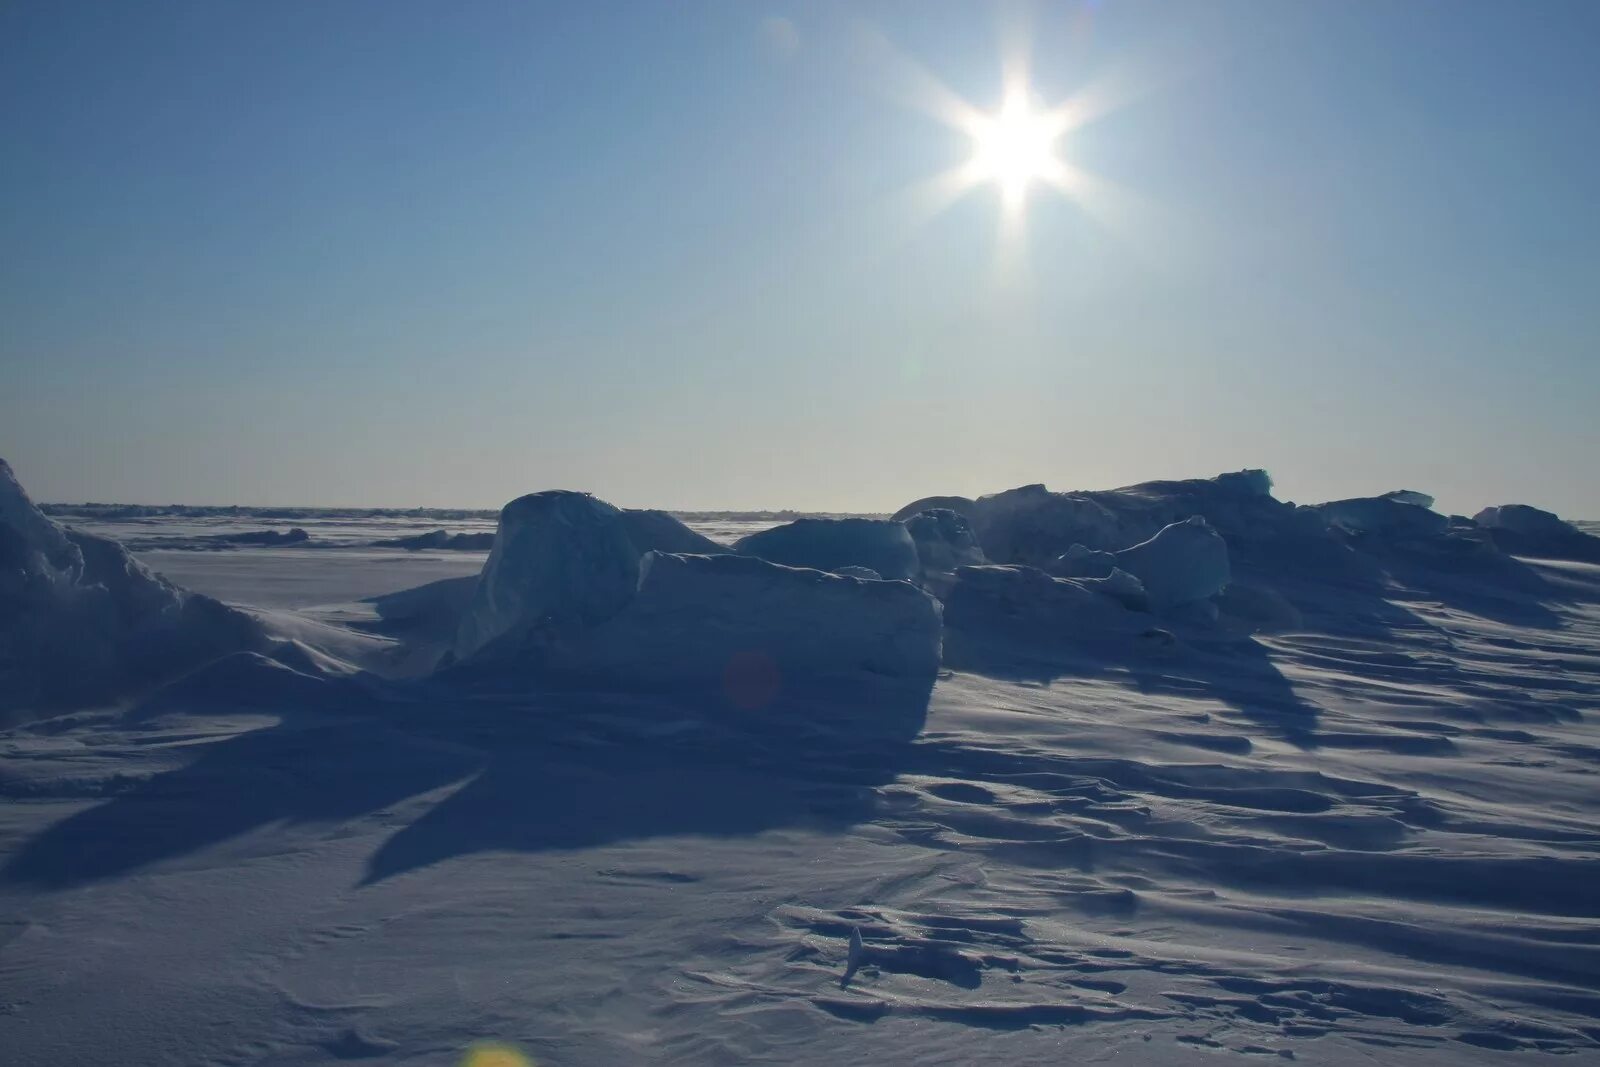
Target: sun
{"type": "Point", "coordinates": [1015, 147]}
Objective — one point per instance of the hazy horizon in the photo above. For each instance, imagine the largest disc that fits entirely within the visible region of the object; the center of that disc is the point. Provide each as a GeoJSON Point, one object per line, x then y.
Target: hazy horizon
{"type": "Point", "coordinates": [1278, 491]}
{"type": "Point", "coordinates": [391, 255]}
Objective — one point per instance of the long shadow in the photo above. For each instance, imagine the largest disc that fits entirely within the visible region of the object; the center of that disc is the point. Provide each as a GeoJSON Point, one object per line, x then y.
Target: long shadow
{"type": "Point", "coordinates": [1491, 585]}
{"type": "Point", "coordinates": [1236, 671]}
{"type": "Point", "coordinates": [328, 758]}
{"type": "Point", "coordinates": [1315, 586]}
{"type": "Point", "coordinates": [613, 767]}
{"type": "Point", "coordinates": [540, 770]}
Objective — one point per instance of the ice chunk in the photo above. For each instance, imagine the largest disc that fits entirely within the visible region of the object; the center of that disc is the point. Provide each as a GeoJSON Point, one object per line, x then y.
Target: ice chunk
{"type": "Point", "coordinates": [945, 540]}
{"type": "Point", "coordinates": [81, 620]}
{"type": "Point", "coordinates": [1524, 519]}
{"type": "Point", "coordinates": [657, 531]}
{"type": "Point", "coordinates": [1383, 516]}
{"type": "Point", "coordinates": [440, 539]}
{"type": "Point", "coordinates": [959, 504]}
{"type": "Point", "coordinates": [560, 559]}
{"type": "Point", "coordinates": [1528, 531]}
{"type": "Point", "coordinates": [1409, 496]}
{"type": "Point", "coordinates": [1035, 526]}
{"type": "Point", "coordinates": [1122, 587]}
{"type": "Point", "coordinates": [1183, 563]}
{"type": "Point", "coordinates": [1030, 603]}
{"type": "Point", "coordinates": [881, 545]}
{"type": "Point", "coordinates": [1079, 561]}
{"type": "Point", "coordinates": [1032, 525]}
{"type": "Point", "coordinates": [696, 618]}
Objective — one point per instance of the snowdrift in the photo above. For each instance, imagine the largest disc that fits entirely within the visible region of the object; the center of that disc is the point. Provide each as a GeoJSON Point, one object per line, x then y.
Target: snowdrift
{"type": "Point", "coordinates": [81, 620]}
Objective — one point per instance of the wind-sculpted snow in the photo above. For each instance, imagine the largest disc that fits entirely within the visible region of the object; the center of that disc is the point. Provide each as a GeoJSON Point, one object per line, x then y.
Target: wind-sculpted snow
{"type": "Point", "coordinates": [81, 620]}
{"type": "Point", "coordinates": [1349, 820]}
{"type": "Point", "coordinates": [879, 545]}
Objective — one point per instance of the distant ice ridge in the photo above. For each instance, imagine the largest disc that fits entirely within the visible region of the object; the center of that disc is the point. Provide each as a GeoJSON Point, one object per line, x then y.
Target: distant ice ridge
{"type": "Point", "coordinates": [567, 591]}
{"type": "Point", "coordinates": [1035, 526]}
{"type": "Point", "coordinates": [1173, 546]}
{"type": "Point", "coordinates": [81, 620]}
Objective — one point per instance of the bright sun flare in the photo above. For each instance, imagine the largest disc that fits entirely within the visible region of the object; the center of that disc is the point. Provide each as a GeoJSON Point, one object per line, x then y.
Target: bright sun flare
{"type": "Point", "coordinates": [1015, 146]}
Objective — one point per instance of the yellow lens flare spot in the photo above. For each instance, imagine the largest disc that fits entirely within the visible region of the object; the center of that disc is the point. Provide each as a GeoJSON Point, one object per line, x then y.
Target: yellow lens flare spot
{"type": "Point", "coordinates": [495, 1054]}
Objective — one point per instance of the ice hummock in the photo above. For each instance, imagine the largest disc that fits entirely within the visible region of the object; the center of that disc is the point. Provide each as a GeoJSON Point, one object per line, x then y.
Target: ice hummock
{"type": "Point", "coordinates": [1525, 530]}
{"type": "Point", "coordinates": [1034, 525]}
{"type": "Point", "coordinates": [566, 592]}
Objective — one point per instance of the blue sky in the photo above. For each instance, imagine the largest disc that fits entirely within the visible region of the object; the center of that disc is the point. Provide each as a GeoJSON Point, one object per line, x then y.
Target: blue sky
{"type": "Point", "coordinates": [400, 253]}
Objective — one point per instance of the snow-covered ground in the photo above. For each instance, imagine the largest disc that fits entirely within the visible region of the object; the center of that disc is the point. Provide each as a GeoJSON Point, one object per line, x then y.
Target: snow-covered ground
{"type": "Point", "coordinates": [1364, 833]}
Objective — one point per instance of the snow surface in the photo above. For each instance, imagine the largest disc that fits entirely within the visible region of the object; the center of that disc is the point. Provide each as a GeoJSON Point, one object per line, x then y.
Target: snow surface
{"type": "Point", "coordinates": [1348, 820]}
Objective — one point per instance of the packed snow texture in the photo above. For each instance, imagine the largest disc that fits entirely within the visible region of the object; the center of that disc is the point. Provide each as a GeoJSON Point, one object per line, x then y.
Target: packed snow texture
{"type": "Point", "coordinates": [82, 620]}
{"type": "Point", "coordinates": [828, 544]}
{"type": "Point", "coordinates": [1345, 815]}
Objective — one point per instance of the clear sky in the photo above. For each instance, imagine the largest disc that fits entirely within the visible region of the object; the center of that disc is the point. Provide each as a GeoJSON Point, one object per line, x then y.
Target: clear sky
{"type": "Point", "coordinates": [395, 253]}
